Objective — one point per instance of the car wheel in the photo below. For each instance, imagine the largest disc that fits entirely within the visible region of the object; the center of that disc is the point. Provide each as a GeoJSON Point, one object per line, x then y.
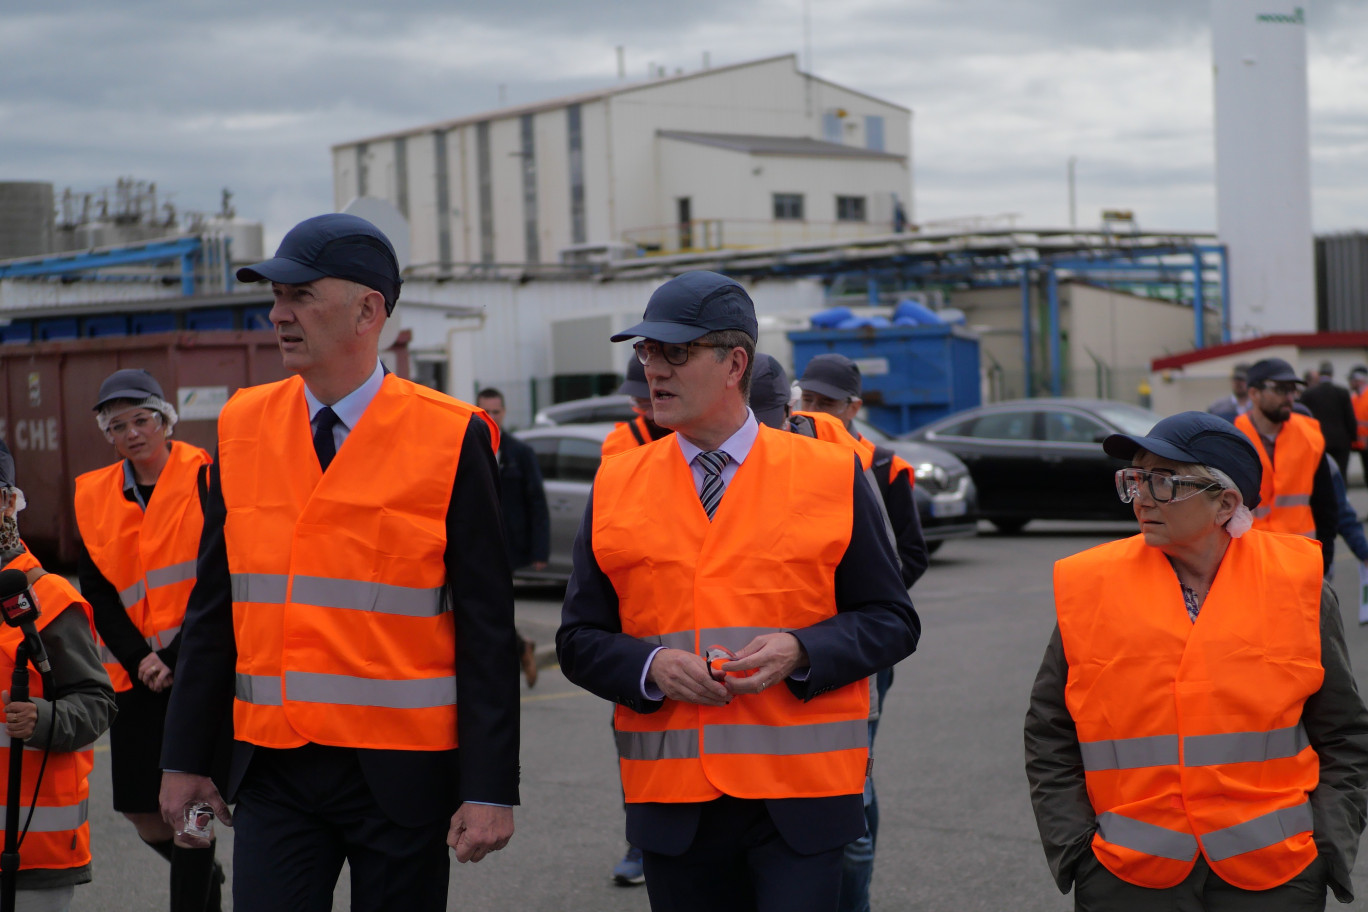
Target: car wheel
{"type": "Point", "coordinates": [1008, 525]}
{"type": "Point", "coordinates": [933, 547]}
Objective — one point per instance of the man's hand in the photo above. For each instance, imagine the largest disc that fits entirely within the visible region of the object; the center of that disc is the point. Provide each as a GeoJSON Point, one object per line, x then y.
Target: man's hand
{"type": "Point", "coordinates": [178, 792]}
{"type": "Point", "coordinates": [154, 673]}
{"type": "Point", "coordinates": [478, 829]}
{"type": "Point", "coordinates": [684, 676]}
{"type": "Point", "coordinates": [773, 656]}
{"type": "Point", "coordinates": [20, 718]}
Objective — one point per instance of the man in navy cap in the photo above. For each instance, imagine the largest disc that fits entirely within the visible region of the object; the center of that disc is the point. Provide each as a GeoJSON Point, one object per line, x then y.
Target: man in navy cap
{"type": "Point", "coordinates": [769, 394]}
{"type": "Point", "coordinates": [352, 568]}
{"type": "Point", "coordinates": [710, 567]}
{"type": "Point", "coordinates": [1298, 492]}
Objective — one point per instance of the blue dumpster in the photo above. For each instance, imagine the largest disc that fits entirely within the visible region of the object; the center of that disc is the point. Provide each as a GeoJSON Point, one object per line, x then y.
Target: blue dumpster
{"type": "Point", "coordinates": [911, 375]}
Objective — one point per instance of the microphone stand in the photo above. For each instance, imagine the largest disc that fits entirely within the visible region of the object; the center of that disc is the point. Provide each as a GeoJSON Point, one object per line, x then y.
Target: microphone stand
{"type": "Point", "coordinates": [14, 799]}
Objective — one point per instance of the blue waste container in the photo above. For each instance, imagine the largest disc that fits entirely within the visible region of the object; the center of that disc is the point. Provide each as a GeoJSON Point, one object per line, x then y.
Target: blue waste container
{"type": "Point", "coordinates": [911, 375]}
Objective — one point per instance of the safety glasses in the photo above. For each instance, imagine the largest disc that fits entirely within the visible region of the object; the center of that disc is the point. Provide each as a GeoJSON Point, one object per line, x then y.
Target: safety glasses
{"type": "Point", "coordinates": [1164, 488]}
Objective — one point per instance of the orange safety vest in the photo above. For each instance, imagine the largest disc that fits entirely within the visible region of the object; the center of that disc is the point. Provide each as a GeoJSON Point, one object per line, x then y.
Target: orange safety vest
{"type": "Point", "coordinates": [149, 557]}
{"type": "Point", "coordinates": [766, 563]}
{"type": "Point", "coordinates": [344, 630]}
{"type": "Point", "coordinates": [1361, 413]}
{"type": "Point", "coordinates": [59, 836]}
{"type": "Point", "coordinates": [896, 465]}
{"type": "Point", "coordinates": [1191, 733]}
{"type": "Point", "coordinates": [1285, 492]}
{"type": "Point", "coordinates": [626, 435]}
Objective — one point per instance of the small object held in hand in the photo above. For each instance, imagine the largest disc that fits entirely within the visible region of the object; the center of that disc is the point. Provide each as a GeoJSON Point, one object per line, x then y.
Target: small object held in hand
{"type": "Point", "coordinates": [717, 656]}
{"type": "Point", "coordinates": [199, 821]}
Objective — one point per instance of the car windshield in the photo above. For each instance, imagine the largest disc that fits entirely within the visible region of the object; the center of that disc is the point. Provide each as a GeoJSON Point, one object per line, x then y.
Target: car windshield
{"type": "Point", "coordinates": [1128, 419]}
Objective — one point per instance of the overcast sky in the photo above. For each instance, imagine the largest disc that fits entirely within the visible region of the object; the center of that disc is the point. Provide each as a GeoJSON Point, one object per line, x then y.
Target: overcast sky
{"type": "Point", "coordinates": [249, 95]}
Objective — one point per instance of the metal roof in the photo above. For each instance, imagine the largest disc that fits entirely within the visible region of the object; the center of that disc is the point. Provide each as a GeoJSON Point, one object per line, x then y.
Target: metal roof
{"type": "Point", "coordinates": [754, 144]}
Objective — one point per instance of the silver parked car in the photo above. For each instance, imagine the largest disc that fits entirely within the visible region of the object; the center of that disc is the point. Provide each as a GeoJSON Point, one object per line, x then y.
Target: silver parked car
{"type": "Point", "coordinates": [568, 440]}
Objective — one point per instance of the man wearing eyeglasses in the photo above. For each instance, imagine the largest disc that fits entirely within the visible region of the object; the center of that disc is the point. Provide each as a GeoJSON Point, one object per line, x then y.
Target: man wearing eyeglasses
{"type": "Point", "coordinates": [1297, 492]}
{"type": "Point", "coordinates": [763, 551]}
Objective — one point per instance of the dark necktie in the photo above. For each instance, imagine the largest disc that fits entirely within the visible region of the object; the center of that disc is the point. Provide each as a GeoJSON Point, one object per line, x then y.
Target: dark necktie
{"type": "Point", "coordinates": [324, 445]}
{"type": "Point", "coordinates": [711, 493]}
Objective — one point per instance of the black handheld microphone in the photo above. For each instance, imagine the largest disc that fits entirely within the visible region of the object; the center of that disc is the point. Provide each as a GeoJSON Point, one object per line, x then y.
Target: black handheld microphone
{"type": "Point", "coordinates": [19, 609]}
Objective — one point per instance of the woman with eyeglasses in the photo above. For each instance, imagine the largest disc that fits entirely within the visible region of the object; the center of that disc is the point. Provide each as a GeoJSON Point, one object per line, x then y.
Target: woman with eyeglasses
{"type": "Point", "coordinates": [140, 520]}
{"type": "Point", "coordinates": [1195, 739]}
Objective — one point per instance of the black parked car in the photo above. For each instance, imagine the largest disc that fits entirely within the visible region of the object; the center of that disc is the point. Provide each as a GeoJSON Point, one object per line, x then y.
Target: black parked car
{"type": "Point", "coordinates": [1041, 458]}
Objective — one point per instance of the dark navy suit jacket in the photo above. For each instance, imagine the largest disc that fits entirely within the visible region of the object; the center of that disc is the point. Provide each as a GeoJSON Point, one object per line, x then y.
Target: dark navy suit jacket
{"type": "Point", "coordinates": [875, 626]}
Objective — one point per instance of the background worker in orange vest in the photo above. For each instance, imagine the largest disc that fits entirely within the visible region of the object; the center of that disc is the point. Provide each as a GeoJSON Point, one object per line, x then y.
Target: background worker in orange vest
{"type": "Point", "coordinates": [1297, 494]}
{"type": "Point", "coordinates": [737, 580]}
{"type": "Point", "coordinates": [641, 430]}
{"type": "Point", "coordinates": [136, 566]}
{"type": "Point", "coordinates": [831, 383]}
{"type": "Point", "coordinates": [1358, 388]}
{"type": "Point", "coordinates": [55, 854]}
{"type": "Point", "coordinates": [352, 573]}
{"type": "Point", "coordinates": [1195, 738]}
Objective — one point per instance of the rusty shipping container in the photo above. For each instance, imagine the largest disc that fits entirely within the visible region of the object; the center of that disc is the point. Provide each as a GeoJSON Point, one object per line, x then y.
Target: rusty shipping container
{"type": "Point", "coordinates": [49, 388]}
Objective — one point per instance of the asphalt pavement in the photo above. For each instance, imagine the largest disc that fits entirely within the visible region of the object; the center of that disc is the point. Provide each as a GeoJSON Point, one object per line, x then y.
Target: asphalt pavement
{"type": "Point", "coordinates": [957, 834]}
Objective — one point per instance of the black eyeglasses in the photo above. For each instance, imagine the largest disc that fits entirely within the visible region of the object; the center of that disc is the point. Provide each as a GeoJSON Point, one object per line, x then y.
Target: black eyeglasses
{"type": "Point", "coordinates": [675, 353]}
{"type": "Point", "coordinates": [1285, 387]}
{"type": "Point", "coordinates": [1163, 488]}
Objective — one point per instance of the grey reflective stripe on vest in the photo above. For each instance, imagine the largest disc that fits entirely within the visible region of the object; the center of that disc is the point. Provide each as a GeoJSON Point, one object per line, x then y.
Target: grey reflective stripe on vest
{"type": "Point", "coordinates": [1259, 833]}
{"type": "Point", "coordinates": [176, 573]}
{"type": "Point", "coordinates": [734, 638]}
{"type": "Point", "coordinates": [28, 745]}
{"type": "Point", "coordinates": [265, 588]}
{"type": "Point", "coordinates": [165, 636]}
{"type": "Point", "coordinates": [107, 656]}
{"type": "Point", "coordinates": [684, 639]}
{"type": "Point", "coordinates": [345, 690]}
{"type": "Point", "coordinates": [1292, 500]}
{"type": "Point", "coordinates": [873, 697]}
{"type": "Point", "coordinates": [1262, 510]}
{"type": "Point", "coordinates": [56, 819]}
{"type": "Point", "coordinates": [1129, 753]}
{"type": "Point", "coordinates": [676, 744]}
{"type": "Point", "coordinates": [786, 740]}
{"type": "Point", "coordinates": [1244, 747]}
{"type": "Point", "coordinates": [133, 594]}
{"type": "Point", "coordinates": [356, 595]}
{"type": "Point", "coordinates": [259, 690]}
{"type": "Point", "coordinates": [1146, 837]}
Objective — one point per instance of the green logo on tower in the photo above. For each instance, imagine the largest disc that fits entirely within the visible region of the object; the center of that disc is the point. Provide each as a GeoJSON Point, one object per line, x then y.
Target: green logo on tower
{"type": "Point", "coordinates": [1296, 17]}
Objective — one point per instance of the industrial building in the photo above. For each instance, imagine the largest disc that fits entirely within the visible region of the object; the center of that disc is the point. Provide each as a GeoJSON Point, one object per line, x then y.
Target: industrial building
{"type": "Point", "coordinates": [752, 154]}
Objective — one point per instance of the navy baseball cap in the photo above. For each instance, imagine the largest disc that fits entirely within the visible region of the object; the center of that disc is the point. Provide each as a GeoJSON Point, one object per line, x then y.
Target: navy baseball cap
{"type": "Point", "coordinates": [692, 305]}
{"type": "Point", "coordinates": [1276, 369]}
{"type": "Point", "coordinates": [338, 245]}
{"type": "Point", "coordinates": [6, 466]}
{"type": "Point", "coordinates": [769, 392]}
{"type": "Point", "coordinates": [831, 375]}
{"type": "Point", "coordinates": [1201, 438]}
{"type": "Point", "coordinates": [635, 384]}
{"type": "Point", "coordinates": [129, 383]}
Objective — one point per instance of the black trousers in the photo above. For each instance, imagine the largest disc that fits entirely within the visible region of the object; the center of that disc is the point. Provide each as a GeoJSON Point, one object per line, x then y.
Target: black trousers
{"type": "Point", "coordinates": [738, 862]}
{"type": "Point", "coordinates": [1098, 890]}
{"type": "Point", "coordinates": [301, 812]}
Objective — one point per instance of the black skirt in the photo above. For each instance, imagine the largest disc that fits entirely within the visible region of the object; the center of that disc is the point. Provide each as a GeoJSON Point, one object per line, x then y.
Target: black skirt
{"type": "Point", "coordinates": [135, 742]}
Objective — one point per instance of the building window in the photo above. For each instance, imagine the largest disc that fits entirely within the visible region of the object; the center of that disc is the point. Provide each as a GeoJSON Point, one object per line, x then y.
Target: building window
{"type": "Point", "coordinates": [575, 138]}
{"type": "Point", "coordinates": [850, 209]}
{"type": "Point", "coordinates": [874, 133]}
{"type": "Point", "coordinates": [788, 207]}
{"type": "Point", "coordinates": [831, 127]}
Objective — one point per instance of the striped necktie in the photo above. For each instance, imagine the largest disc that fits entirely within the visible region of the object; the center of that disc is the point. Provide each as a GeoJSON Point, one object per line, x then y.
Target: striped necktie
{"type": "Point", "coordinates": [711, 493]}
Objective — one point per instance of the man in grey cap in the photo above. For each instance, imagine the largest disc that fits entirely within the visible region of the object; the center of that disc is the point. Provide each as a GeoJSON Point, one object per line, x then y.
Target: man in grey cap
{"type": "Point", "coordinates": [769, 395]}
{"type": "Point", "coordinates": [710, 566]}
{"type": "Point", "coordinates": [1333, 407]}
{"type": "Point", "coordinates": [352, 569]}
